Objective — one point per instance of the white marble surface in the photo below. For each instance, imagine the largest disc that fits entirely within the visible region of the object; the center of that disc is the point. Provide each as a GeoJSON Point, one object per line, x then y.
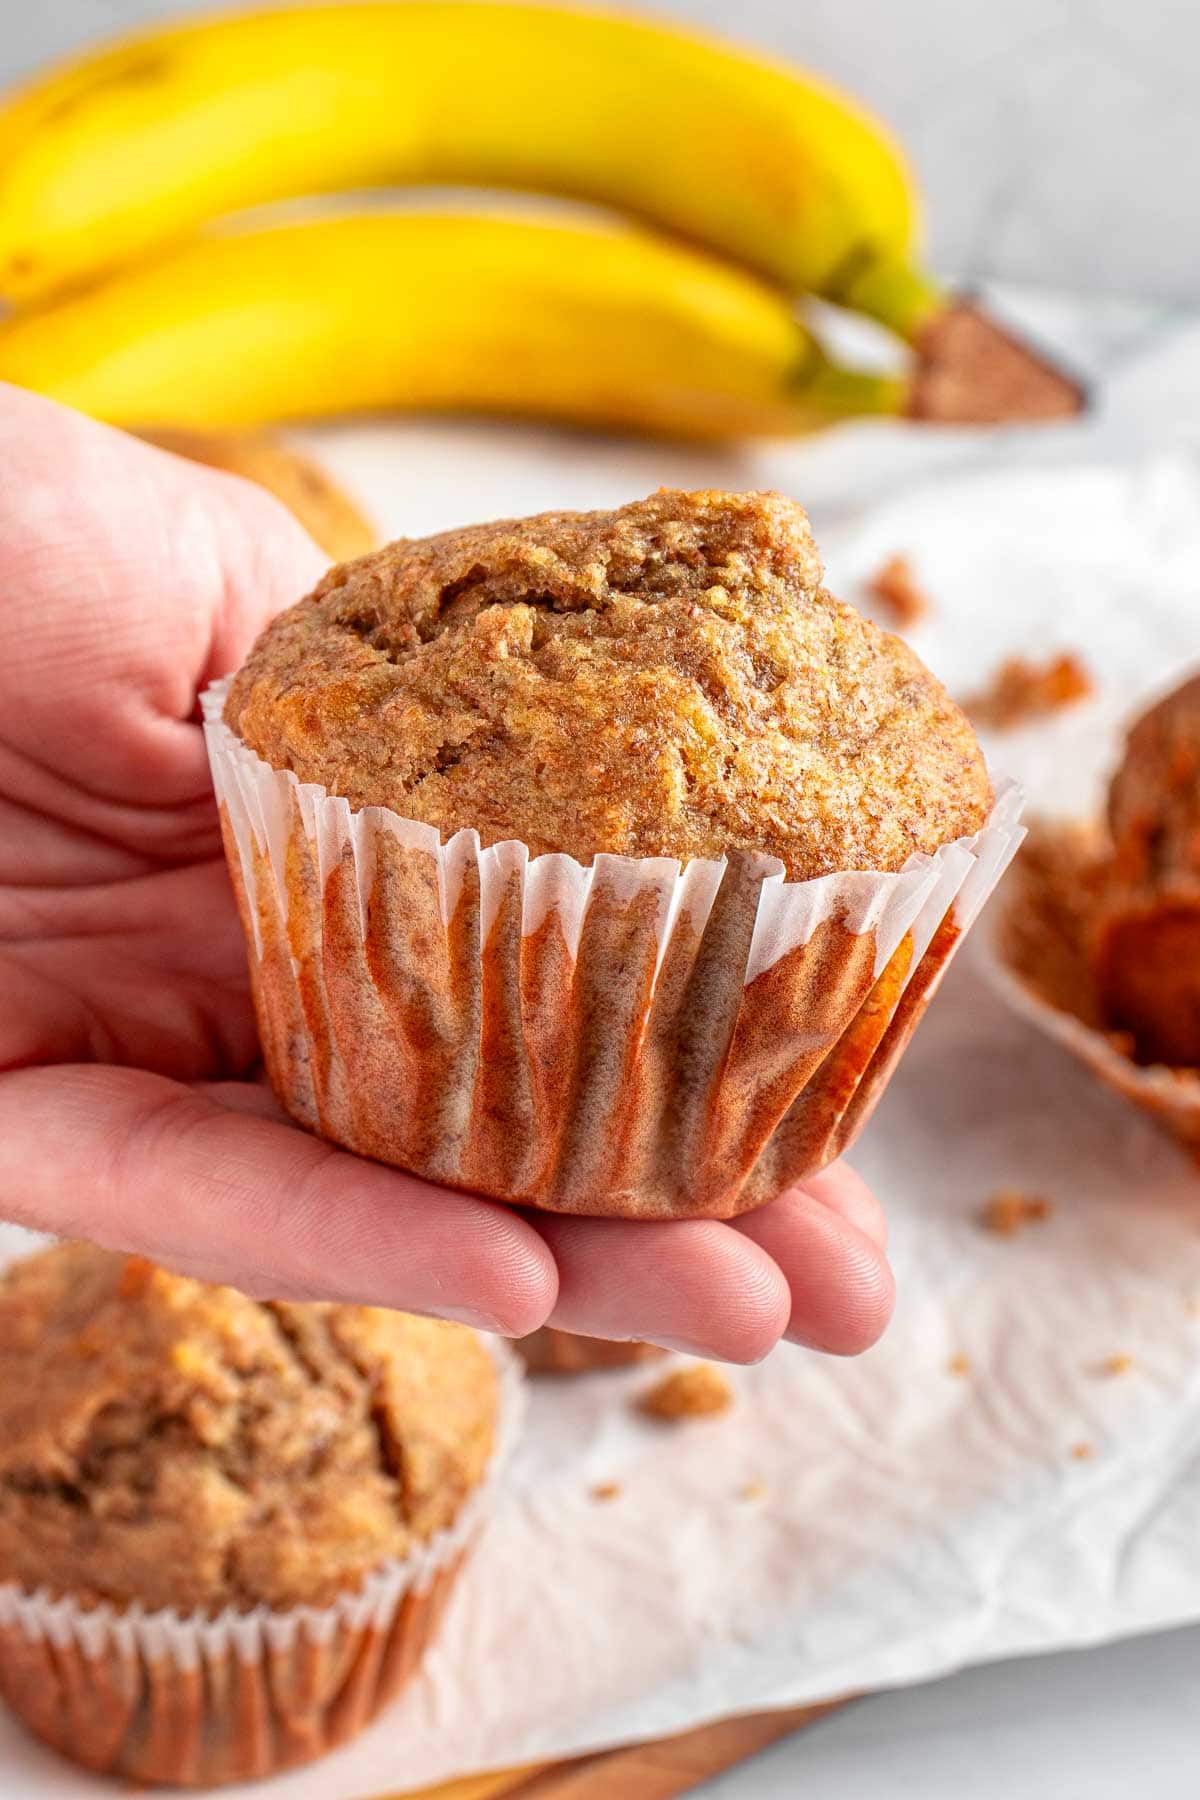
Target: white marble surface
{"type": "Point", "coordinates": [1055, 139]}
{"type": "Point", "coordinates": [1112, 1724]}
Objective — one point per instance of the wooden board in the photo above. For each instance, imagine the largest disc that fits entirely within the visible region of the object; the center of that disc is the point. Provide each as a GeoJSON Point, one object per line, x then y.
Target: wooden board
{"type": "Point", "coordinates": [655, 1771]}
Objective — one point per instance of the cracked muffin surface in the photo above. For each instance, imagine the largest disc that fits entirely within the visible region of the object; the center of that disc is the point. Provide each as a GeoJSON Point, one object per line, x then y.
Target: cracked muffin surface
{"type": "Point", "coordinates": [175, 1444]}
{"type": "Point", "coordinates": [668, 679]}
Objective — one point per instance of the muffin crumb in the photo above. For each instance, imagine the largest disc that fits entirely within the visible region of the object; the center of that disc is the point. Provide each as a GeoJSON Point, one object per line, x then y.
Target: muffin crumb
{"type": "Point", "coordinates": [755, 1490]}
{"type": "Point", "coordinates": [695, 1392]}
{"type": "Point", "coordinates": [959, 1364]}
{"type": "Point", "coordinates": [1118, 1363]}
{"type": "Point", "coordinates": [1021, 691]}
{"type": "Point", "coordinates": [1009, 1210]}
{"type": "Point", "coordinates": [896, 588]}
{"type": "Point", "coordinates": [1082, 1451]}
{"type": "Point", "coordinates": [606, 1490]}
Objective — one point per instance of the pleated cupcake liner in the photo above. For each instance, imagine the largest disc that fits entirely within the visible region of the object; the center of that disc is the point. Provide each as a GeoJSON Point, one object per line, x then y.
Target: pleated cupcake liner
{"type": "Point", "coordinates": [164, 1697]}
{"type": "Point", "coordinates": [630, 1038]}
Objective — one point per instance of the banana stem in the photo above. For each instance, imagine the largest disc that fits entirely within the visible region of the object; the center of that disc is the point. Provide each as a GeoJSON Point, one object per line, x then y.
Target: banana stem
{"type": "Point", "coordinates": [830, 392]}
{"type": "Point", "coordinates": [899, 296]}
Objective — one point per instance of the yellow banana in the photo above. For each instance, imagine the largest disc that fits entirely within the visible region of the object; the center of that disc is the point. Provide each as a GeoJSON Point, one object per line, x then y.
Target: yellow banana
{"type": "Point", "coordinates": [132, 146]}
{"type": "Point", "coordinates": [595, 323]}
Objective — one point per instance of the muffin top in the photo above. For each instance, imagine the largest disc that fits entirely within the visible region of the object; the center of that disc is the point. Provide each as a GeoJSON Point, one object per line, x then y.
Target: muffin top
{"type": "Point", "coordinates": [669, 679]}
{"type": "Point", "coordinates": [1154, 797]}
{"type": "Point", "coordinates": [180, 1445]}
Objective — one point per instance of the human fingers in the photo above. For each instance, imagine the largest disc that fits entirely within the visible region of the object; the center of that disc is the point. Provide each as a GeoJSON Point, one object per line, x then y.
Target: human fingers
{"type": "Point", "coordinates": [825, 1238]}
{"type": "Point", "coordinates": [131, 578]}
{"type": "Point", "coordinates": [140, 1163]}
{"type": "Point", "coordinates": [844, 1189]}
{"type": "Point", "coordinates": [691, 1284]}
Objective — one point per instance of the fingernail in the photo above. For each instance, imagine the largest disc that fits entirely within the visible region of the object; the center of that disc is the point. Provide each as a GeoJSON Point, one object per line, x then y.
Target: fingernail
{"type": "Point", "coordinates": [807, 1343]}
{"type": "Point", "coordinates": [462, 1315]}
{"type": "Point", "coordinates": [686, 1348]}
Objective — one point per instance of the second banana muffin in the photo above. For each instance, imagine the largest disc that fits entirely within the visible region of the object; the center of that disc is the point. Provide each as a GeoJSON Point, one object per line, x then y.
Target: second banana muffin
{"type": "Point", "coordinates": [718, 812]}
{"type": "Point", "coordinates": [283, 1478]}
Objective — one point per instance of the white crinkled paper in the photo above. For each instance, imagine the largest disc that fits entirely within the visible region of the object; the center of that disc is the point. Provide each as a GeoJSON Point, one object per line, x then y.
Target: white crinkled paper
{"type": "Point", "coordinates": [911, 1519]}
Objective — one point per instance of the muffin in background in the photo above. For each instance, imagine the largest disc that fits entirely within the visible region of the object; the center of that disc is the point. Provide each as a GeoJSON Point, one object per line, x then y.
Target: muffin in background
{"type": "Point", "coordinates": [298, 1484]}
{"type": "Point", "coordinates": [600, 862]}
{"type": "Point", "coordinates": [1098, 933]}
{"type": "Point", "coordinates": [1147, 951]}
{"type": "Point", "coordinates": [552, 1352]}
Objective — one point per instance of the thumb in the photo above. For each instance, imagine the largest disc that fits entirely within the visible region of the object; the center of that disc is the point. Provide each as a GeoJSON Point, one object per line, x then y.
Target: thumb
{"type": "Point", "coordinates": [140, 1163]}
{"type": "Point", "coordinates": [131, 578]}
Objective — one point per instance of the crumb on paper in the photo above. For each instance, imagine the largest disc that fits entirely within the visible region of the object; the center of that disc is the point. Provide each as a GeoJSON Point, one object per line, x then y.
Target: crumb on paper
{"type": "Point", "coordinates": [755, 1490]}
{"type": "Point", "coordinates": [606, 1490]}
{"type": "Point", "coordinates": [695, 1392]}
{"type": "Point", "coordinates": [1119, 1363]}
{"type": "Point", "coordinates": [959, 1364]}
{"type": "Point", "coordinates": [1021, 690]}
{"type": "Point", "coordinates": [1082, 1451]}
{"type": "Point", "coordinates": [898, 591]}
{"type": "Point", "coordinates": [1009, 1210]}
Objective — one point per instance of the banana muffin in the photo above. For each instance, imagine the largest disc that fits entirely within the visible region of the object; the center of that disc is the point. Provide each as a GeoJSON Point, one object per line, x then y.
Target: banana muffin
{"type": "Point", "coordinates": [1101, 922]}
{"type": "Point", "coordinates": [167, 1444]}
{"type": "Point", "coordinates": [1147, 952]}
{"type": "Point", "coordinates": [527, 821]}
{"type": "Point", "coordinates": [670, 679]}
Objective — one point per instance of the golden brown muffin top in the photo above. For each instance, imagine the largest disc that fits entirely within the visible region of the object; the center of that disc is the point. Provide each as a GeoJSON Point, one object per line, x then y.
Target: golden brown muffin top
{"type": "Point", "coordinates": [669, 679]}
{"type": "Point", "coordinates": [177, 1444]}
{"type": "Point", "coordinates": [1154, 797]}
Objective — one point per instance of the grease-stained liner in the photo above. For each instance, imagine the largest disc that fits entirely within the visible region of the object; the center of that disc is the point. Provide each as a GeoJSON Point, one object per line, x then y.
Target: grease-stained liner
{"type": "Point", "coordinates": [195, 1701]}
{"type": "Point", "coordinates": [630, 1039]}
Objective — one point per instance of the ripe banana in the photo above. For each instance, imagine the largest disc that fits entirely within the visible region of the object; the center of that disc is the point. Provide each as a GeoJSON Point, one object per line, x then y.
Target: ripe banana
{"type": "Point", "coordinates": [132, 146]}
{"type": "Point", "coordinates": [599, 324]}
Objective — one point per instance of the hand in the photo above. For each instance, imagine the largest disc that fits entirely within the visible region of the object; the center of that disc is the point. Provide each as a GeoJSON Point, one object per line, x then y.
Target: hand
{"type": "Point", "coordinates": [129, 1112]}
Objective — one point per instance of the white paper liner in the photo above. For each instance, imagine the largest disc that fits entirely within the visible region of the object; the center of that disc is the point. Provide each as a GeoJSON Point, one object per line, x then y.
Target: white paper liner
{"type": "Point", "coordinates": [259, 802]}
{"type": "Point", "coordinates": [675, 1042]}
{"type": "Point", "coordinates": [190, 1641]}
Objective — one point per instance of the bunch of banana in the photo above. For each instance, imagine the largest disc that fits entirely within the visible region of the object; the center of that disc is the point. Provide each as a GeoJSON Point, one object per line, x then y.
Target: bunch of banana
{"type": "Point", "coordinates": [603, 325]}
{"type": "Point", "coordinates": [113, 163]}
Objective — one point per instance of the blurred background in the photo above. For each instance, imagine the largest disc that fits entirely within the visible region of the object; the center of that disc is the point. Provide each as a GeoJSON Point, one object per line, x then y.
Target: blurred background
{"type": "Point", "coordinates": [1053, 139]}
{"type": "Point", "coordinates": [1054, 144]}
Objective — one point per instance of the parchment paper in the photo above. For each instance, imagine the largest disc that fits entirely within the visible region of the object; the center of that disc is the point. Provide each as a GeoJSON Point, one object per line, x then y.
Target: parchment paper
{"type": "Point", "coordinates": [858, 1524]}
